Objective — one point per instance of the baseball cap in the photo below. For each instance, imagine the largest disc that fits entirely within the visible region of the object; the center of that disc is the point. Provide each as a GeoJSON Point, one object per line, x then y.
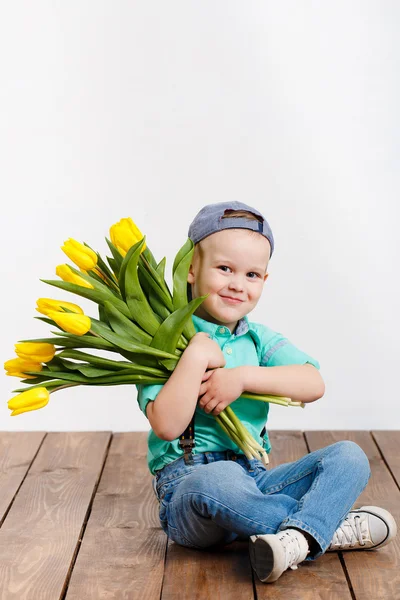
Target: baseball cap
{"type": "Point", "coordinates": [215, 217]}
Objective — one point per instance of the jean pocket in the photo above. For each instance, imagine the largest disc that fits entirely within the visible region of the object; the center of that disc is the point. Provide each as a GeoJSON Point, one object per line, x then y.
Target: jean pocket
{"type": "Point", "coordinates": [166, 486]}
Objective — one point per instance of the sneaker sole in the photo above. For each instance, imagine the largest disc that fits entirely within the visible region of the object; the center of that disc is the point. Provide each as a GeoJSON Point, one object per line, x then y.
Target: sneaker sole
{"type": "Point", "coordinates": [263, 560]}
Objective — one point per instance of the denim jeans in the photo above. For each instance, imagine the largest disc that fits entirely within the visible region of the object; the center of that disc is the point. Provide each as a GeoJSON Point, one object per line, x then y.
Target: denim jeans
{"type": "Point", "coordinates": [223, 496]}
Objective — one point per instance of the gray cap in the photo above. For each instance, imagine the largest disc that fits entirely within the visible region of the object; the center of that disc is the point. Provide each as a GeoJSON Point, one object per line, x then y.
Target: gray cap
{"type": "Point", "coordinates": [215, 217]}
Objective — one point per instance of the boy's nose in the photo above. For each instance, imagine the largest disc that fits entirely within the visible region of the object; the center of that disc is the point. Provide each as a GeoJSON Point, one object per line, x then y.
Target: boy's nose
{"type": "Point", "coordinates": [236, 283]}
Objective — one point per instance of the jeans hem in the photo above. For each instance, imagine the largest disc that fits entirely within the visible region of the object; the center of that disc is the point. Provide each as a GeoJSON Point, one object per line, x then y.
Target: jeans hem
{"type": "Point", "coordinates": [287, 523]}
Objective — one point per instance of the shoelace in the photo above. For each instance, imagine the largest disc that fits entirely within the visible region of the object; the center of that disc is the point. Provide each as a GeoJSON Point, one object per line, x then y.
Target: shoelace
{"type": "Point", "coordinates": [292, 548]}
{"type": "Point", "coordinates": [353, 530]}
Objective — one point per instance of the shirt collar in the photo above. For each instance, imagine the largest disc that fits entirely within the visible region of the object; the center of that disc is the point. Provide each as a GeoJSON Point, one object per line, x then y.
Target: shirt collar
{"type": "Point", "coordinates": [200, 324]}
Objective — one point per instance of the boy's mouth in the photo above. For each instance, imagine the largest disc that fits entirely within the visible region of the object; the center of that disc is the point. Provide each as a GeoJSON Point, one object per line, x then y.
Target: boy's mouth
{"type": "Point", "coordinates": [231, 300]}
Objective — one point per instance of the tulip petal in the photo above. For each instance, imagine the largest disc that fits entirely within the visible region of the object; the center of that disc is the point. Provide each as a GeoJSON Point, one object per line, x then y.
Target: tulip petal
{"type": "Point", "coordinates": [31, 397]}
{"type": "Point", "coordinates": [71, 322]}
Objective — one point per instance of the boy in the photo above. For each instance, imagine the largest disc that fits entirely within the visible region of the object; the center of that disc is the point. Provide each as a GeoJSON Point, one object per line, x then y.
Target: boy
{"type": "Point", "coordinates": [215, 495]}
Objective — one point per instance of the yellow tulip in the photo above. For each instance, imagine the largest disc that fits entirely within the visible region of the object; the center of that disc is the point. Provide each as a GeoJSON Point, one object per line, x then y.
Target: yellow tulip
{"type": "Point", "coordinates": [65, 273]}
{"type": "Point", "coordinates": [46, 304]}
{"type": "Point", "coordinates": [29, 400]}
{"type": "Point", "coordinates": [71, 323]}
{"type": "Point", "coordinates": [35, 351]}
{"type": "Point", "coordinates": [18, 367]}
{"type": "Point", "coordinates": [125, 234]}
{"type": "Point", "coordinates": [80, 254]}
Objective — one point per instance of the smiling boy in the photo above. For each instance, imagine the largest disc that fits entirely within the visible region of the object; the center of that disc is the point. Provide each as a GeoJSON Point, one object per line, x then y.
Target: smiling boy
{"type": "Point", "coordinates": [214, 495]}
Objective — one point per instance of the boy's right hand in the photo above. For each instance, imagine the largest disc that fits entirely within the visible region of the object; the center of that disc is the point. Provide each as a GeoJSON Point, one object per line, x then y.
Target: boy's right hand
{"type": "Point", "coordinates": [207, 349]}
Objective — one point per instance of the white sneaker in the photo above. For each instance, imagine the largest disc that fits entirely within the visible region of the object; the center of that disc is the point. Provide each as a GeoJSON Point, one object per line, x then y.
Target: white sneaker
{"type": "Point", "coordinates": [364, 528]}
{"type": "Point", "coordinates": [272, 554]}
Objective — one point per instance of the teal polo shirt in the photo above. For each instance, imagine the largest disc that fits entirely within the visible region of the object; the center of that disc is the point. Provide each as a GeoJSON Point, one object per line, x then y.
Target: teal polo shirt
{"type": "Point", "coordinates": [250, 344]}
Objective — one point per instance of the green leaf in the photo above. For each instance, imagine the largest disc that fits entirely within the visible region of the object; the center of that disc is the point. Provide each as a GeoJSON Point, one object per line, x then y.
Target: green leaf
{"type": "Point", "coordinates": [111, 364]}
{"type": "Point", "coordinates": [68, 376]}
{"type": "Point", "coordinates": [113, 265]}
{"type": "Point", "coordinates": [124, 326]}
{"type": "Point", "coordinates": [180, 280]}
{"type": "Point", "coordinates": [157, 305]}
{"type": "Point", "coordinates": [98, 296]}
{"type": "Point", "coordinates": [124, 264]}
{"type": "Point", "coordinates": [68, 340]}
{"type": "Point", "coordinates": [180, 298]}
{"type": "Point", "coordinates": [131, 347]}
{"type": "Point", "coordinates": [168, 364]}
{"type": "Point", "coordinates": [97, 282]}
{"type": "Point", "coordinates": [149, 257]}
{"type": "Point", "coordinates": [87, 370]}
{"type": "Point", "coordinates": [169, 332]}
{"type": "Point", "coordinates": [102, 314]}
{"type": "Point", "coordinates": [161, 268]}
{"type": "Point", "coordinates": [46, 384]}
{"type": "Point", "coordinates": [150, 280]}
{"type": "Point", "coordinates": [117, 262]}
{"type": "Point", "coordinates": [136, 300]}
{"type": "Point", "coordinates": [48, 321]}
{"type": "Point", "coordinates": [187, 246]}
{"type": "Point", "coordinates": [103, 266]}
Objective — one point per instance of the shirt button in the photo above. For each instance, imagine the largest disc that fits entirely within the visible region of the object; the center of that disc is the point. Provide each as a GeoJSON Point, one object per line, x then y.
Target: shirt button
{"type": "Point", "coordinates": [229, 350]}
{"type": "Point", "coordinates": [222, 329]}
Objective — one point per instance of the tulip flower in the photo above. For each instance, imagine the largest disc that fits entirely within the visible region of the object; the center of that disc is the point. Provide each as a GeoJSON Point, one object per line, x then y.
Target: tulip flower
{"type": "Point", "coordinates": [30, 400]}
{"type": "Point", "coordinates": [18, 367]}
{"type": "Point", "coordinates": [80, 254]}
{"type": "Point", "coordinates": [125, 234]}
{"type": "Point", "coordinates": [65, 273]}
{"type": "Point", "coordinates": [35, 352]}
{"type": "Point", "coordinates": [44, 305]}
{"type": "Point", "coordinates": [71, 322]}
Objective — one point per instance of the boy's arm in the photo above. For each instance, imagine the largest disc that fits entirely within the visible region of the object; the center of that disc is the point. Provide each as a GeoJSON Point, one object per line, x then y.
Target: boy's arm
{"type": "Point", "coordinates": [172, 410]}
{"type": "Point", "coordinates": [301, 383]}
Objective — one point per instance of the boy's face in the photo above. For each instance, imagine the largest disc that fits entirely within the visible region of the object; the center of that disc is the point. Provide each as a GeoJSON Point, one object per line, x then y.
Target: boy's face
{"type": "Point", "coordinates": [231, 267]}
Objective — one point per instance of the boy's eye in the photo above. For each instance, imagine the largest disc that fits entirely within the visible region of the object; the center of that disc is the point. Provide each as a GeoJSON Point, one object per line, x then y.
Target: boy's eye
{"type": "Point", "coordinates": [223, 267]}
{"type": "Point", "coordinates": [253, 273]}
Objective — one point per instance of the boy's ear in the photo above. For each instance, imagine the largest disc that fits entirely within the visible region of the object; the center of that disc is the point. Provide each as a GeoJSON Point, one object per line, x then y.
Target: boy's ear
{"type": "Point", "coordinates": [190, 277]}
{"type": "Point", "coordinates": [266, 276]}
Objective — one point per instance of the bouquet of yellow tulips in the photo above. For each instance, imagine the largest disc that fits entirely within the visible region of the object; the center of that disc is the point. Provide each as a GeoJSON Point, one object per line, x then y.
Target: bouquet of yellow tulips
{"type": "Point", "coordinates": [140, 320]}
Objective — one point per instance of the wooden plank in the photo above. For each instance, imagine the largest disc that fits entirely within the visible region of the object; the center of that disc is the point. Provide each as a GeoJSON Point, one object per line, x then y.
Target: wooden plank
{"type": "Point", "coordinates": [389, 444]}
{"type": "Point", "coordinates": [39, 536]}
{"type": "Point", "coordinates": [123, 550]}
{"type": "Point", "coordinates": [17, 450]}
{"type": "Point", "coordinates": [209, 574]}
{"type": "Point", "coordinates": [322, 579]}
{"type": "Point", "coordinates": [373, 574]}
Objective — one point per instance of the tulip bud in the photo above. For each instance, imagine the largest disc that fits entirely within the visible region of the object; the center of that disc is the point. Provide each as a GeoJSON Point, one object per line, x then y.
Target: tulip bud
{"type": "Point", "coordinates": [35, 351]}
{"type": "Point", "coordinates": [18, 367]}
{"type": "Point", "coordinates": [30, 400]}
{"type": "Point", "coordinates": [70, 322]}
{"type": "Point", "coordinates": [80, 254]}
{"type": "Point", "coordinates": [125, 234]}
{"type": "Point", "coordinates": [65, 273]}
{"type": "Point", "coordinates": [44, 305]}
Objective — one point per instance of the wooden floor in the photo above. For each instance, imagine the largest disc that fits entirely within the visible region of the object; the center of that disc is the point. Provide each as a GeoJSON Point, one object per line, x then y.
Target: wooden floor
{"type": "Point", "coordinates": [79, 519]}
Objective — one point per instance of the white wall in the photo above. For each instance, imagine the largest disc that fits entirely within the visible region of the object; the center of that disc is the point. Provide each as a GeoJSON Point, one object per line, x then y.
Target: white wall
{"type": "Point", "coordinates": [152, 109]}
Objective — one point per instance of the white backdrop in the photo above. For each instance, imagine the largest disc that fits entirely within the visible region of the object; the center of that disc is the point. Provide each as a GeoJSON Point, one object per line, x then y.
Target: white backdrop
{"type": "Point", "coordinates": [152, 109]}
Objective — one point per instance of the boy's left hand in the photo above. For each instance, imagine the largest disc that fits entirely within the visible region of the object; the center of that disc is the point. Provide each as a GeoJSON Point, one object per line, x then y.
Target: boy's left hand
{"type": "Point", "coordinates": [219, 388]}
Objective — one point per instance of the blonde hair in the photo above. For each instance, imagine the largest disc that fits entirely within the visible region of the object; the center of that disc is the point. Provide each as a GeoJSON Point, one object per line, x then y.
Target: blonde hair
{"type": "Point", "coordinates": [235, 214]}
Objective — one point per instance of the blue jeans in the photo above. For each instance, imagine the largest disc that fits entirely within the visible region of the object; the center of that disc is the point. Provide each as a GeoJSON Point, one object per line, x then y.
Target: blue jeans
{"type": "Point", "coordinates": [223, 496]}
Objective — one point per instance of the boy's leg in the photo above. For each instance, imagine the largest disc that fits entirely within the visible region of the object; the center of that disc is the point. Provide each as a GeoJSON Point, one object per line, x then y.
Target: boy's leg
{"type": "Point", "coordinates": [219, 501]}
{"type": "Point", "coordinates": [326, 484]}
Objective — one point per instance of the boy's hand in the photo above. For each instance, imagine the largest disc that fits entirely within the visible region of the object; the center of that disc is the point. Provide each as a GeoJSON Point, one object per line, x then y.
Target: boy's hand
{"type": "Point", "coordinates": [206, 348]}
{"type": "Point", "coordinates": [220, 388]}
